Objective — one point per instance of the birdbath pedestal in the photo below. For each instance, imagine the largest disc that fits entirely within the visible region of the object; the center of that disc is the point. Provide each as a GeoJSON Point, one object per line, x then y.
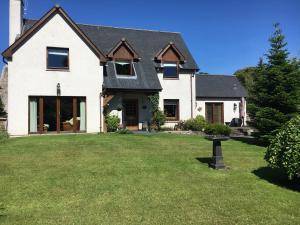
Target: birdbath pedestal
{"type": "Point", "coordinates": [217, 158]}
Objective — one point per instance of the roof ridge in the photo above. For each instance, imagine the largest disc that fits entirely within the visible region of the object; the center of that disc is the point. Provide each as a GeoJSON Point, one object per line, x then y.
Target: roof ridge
{"type": "Point", "coordinates": [115, 27]}
{"type": "Point", "coordinates": [127, 28]}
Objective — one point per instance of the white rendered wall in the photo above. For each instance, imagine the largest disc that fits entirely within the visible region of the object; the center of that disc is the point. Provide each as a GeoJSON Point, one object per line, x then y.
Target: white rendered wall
{"type": "Point", "coordinates": [28, 75]}
{"type": "Point", "coordinates": [229, 113]}
{"type": "Point", "coordinates": [178, 89]}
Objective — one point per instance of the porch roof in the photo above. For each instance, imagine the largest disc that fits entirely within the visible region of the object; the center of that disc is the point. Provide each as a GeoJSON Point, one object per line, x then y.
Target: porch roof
{"type": "Point", "coordinates": [141, 81]}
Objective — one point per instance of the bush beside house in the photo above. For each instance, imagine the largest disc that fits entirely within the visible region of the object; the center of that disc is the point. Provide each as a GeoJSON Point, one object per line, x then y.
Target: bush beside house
{"type": "Point", "coordinates": [195, 124]}
{"type": "Point", "coordinates": [112, 122]}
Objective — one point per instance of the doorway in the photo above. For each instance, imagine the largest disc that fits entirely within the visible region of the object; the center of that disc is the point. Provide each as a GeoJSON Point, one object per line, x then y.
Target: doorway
{"type": "Point", "coordinates": [214, 112]}
{"type": "Point", "coordinates": [131, 114]}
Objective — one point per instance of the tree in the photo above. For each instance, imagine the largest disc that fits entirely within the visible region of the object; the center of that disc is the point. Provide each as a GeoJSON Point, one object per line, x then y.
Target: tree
{"type": "Point", "coordinates": [274, 97]}
{"type": "Point", "coordinates": [246, 76]}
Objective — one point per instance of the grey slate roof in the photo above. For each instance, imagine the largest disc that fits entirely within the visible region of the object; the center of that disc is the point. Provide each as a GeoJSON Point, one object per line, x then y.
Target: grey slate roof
{"type": "Point", "coordinates": [145, 42]}
{"type": "Point", "coordinates": [219, 86]}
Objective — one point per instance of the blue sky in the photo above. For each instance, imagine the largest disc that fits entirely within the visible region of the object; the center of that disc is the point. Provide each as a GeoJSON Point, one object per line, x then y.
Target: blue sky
{"type": "Point", "coordinates": [223, 36]}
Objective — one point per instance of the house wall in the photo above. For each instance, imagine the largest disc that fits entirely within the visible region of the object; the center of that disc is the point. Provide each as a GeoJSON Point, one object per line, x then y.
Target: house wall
{"type": "Point", "coordinates": [144, 114]}
{"type": "Point", "coordinates": [229, 113]}
{"type": "Point", "coordinates": [179, 89]}
{"type": "Point", "coordinates": [28, 75]}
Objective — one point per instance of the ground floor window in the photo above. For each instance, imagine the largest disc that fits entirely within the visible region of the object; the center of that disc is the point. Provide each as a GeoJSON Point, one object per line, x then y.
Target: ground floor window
{"type": "Point", "coordinates": [57, 114]}
{"type": "Point", "coordinates": [214, 112]}
{"type": "Point", "coordinates": [171, 109]}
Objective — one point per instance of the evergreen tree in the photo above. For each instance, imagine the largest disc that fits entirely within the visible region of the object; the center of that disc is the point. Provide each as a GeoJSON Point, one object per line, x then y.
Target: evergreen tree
{"type": "Point", "coordinates": [274, 97]}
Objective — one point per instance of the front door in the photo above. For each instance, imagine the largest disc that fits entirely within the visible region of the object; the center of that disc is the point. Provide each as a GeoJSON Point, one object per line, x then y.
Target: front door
{"type": "Point", "coordinates": [131, 114]}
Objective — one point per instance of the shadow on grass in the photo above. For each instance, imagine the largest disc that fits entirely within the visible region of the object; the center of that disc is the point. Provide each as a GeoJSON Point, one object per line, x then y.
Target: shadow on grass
{"type": "Point", "coordinates": [250, 141]}
{"type": "Point", "coordinates": [277, 177]}
{"type": "Point", "coordinates": [204, 160]}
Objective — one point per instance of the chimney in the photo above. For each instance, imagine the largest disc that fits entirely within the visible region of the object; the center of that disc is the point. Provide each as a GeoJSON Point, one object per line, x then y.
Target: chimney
{"type": "Point", "coordinates": [16, 9]}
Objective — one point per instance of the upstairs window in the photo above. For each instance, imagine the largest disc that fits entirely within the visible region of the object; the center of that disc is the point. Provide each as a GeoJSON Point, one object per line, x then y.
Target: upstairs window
{"type": "Point", "coordinates": [171, 109]}
{"type": "Point", "coordinates": [124, 67]}
{"type": "Point", "coordinates": [58, 58]}
{"type": "Point", "coordinates": [170, 70]}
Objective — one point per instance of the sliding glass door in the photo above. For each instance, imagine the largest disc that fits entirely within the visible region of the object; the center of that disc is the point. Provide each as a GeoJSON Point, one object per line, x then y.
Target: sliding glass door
{"type": "Point", "coordinates": [57, 114]}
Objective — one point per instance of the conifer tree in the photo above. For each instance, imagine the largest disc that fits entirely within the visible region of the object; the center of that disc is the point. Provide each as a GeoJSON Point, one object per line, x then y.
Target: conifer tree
{"type": "Point", "coordinates": [274, 97]}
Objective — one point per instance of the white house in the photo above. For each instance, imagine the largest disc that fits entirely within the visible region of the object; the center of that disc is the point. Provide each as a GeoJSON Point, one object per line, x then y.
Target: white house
{"type": "Point", "coordinates": [62, 74]}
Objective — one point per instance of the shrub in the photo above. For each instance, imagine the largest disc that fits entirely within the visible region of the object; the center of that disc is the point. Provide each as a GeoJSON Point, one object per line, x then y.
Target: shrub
{"type": "Point", "coordinates": [3, 136]}
{"type": "Point", "coordinates": [158, 116]}
{"type": "Point", "coordinates": [217, 129]}
{"type": "Point", "coordinates": [196, 124]}
{"type": "Point", "coordinates": [179, 125]}
{"type": "Point", "coordinates": [124, 131]}
{"type": "Point", "coordinates": [112, 122]}
{"type": "Point", "coordinates": [284, 149]}
{"type": "Point", "coordinates": [158, 119]}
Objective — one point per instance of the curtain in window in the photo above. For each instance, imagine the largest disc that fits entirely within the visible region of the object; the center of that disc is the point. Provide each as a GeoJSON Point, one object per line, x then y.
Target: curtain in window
{"type": "Point", "coordinates": [82, 116]}
{"type": "Point", "coordinates": [33, 115]}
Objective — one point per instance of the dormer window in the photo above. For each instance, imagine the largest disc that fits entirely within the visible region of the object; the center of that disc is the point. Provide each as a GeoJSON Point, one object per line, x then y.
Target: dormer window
{"type": "Point", "coordinates": [123, 56]}
{"type": "Point", "coordinates": [124, 67]}
{"type": "Point", "coordinates": [58, 58]}
{"type": "Point", "coordinates": [170, 69]}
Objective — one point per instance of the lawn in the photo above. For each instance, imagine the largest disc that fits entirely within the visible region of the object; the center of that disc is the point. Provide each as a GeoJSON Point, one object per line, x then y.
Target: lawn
{"type": "Point", "coordinates": [139, 179]}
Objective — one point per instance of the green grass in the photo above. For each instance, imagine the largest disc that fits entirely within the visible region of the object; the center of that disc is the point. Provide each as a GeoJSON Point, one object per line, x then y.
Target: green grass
{"type": "Point", "coordinates": [139, 179]}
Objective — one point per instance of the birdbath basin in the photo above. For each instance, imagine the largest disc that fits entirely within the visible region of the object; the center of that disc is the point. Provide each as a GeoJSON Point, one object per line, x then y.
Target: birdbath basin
{"type": "Point", "coordinates": [217, 156]}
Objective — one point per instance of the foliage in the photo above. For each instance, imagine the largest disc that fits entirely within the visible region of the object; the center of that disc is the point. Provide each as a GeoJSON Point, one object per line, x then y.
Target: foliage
{"type": "Point", "coordinates": [246, 76]}
{"type": "Point", "coordinates": [154, 101]}
{"type": "Point", "coordinates": [2, 112]}
{"type": "Point", "coordinates": [217, 129]}
{"type": "Point", "coordinates": [112, 122]}
{"type": "Point", "coordinates": [284, 150]}
{"type": "Point", "coordinates": [158, 117]}
{"type": "Point", "coordinates": [179, 125]}
{"type": "Point", "coordinates": [275, 96]}
{"type": "Point", "coordinates": [3, 136]}
{"type": "Point", "coordinates": [195, 124]}
{"type": "Point", "coordinates": [124, 131]}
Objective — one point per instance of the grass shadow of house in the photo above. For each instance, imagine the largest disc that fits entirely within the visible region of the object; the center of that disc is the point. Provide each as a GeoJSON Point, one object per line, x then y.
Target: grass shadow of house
{"type": "Point", "coordinates": [277, 177]}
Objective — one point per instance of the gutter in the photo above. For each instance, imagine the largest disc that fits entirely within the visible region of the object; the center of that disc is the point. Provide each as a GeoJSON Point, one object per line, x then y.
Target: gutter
{"type": "Point", "coordinates": [4, 61]}
{"type": "Point", "coordinates": [101, 111]}
{"type": "Point", "coordinates": [191, 87]}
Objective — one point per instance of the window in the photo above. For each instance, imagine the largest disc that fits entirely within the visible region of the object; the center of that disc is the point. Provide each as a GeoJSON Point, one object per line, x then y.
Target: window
{"type": "Point", "coordinates": [58, 58]}
{"type": "Point", "coordinates": [171, 109]}
{"type": "Point", "coordinates": [170, 70]}
{"type": "Point", "coordinates": [124, 67]}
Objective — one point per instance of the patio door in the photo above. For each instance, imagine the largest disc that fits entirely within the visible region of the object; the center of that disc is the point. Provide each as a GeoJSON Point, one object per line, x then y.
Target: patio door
{"type": "Point", "coordinates": [131, 113]}
{"type": "Point", "coordinates": [214, 112]}
{"type": "Point", "coordinates": [57, 114]}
